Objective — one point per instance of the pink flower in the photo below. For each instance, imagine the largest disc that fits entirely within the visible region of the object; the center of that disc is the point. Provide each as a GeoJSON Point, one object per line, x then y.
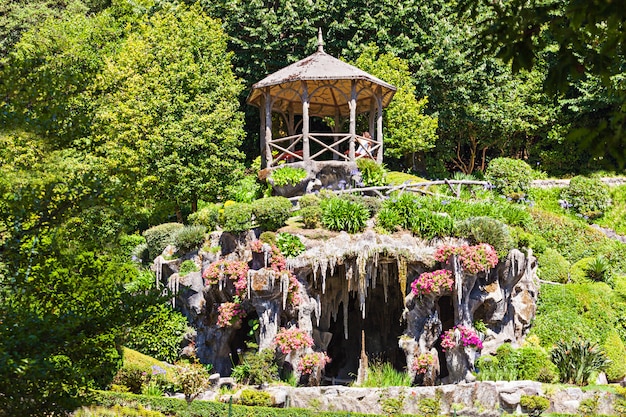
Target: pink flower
{"type": "Point", "coordinates": [293, 339]}
{"type": "Point", "coordinates": [434, 282]}
{"type": "Point", "coordinates": [423, 362]}
{"type": "Point", "coordinates": [474, 259]}
{"type": "Point", "coordinates": [311, 361]}
{"type": "Point", "coordinates": [467, 338]}
{"type": "Point", "coordinates": [236, 271]}
{"type": "Point", "coordinates": [229, 315]}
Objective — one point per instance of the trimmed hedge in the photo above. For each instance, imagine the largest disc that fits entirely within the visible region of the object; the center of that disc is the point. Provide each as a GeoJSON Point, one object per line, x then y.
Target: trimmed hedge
{"type": "Point", "coordinates": [179, 408]}
{"type": "Point", "coordinates": [158, 237]}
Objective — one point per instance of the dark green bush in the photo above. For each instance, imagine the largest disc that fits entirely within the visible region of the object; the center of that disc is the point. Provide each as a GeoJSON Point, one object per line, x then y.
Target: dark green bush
{"type": "Point", "coordinates": [244, 190]}
{"type": "Point", "coordinates": [338, 214]}
{"type": "Point", "coordinates": [486, 230]}
{"type": "Point", "coordinates": [509, 364]}
{"type": "Point", "coordinates": [289, 245]}
{"type": "Point", "coordinates": [158, 237]}
{"type": "Point", "coordinates": [131, 377]}
{"type": "Point", "coordinates": [553, 266]}
{"type": "Point", "coordinates": [207, 216]}
{"type": "Point", "coordinates": [510, 177]}
{"type": "Point", "coordinates": [311, 216]}
{"type": "Point", "coordinates": [534, 405]}
{"type": "Point", "coordinates": [271, 213]}
{"type": "Point", "coordinates": [160, 335]}
{"type": "Point", "coordinates": [237, 218]}
{"type": "Point", "coordinates": [576, 360]}
{"type": "Point", "coordinates": [252, 397]}
{"type": "Point", "coordinates": [189, 238]}
{"type": "Point", "coordinates": [589, 197]}
{"type": "Point", "coordinates": [288, 176]}
{"type": "Point", "coordinates": [372, 173]}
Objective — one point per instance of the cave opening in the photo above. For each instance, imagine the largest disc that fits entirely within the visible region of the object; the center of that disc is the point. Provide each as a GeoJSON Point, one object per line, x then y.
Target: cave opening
{"type": "Point", "coordinates": [382, 326]}
{"type": "Point", "coordinates": [245, 338]}
{"type": "Point", "coordinates": [445, 308]}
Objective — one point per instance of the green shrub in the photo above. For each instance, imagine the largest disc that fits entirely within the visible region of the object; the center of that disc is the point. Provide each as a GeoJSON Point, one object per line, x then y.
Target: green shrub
{"type": "Point", "coordinates": [524, 239]}
{"type": "Point", "coordinates": [256, 368]}
{"type": "Point", "coordinates": [271, 213]}
{"type": "Point", "coordinates": [372, 173]}
{"type": "Point", "coordinates": [383, 374]}
{"type": "Point", "coordinates": [244, 190]}
{"type": "Point", "coordinates": [132, 377]}
{"type": "Point", "coordinates": [308, 200]}
{"type": "Point", "coordinates": [578, 271]}
{"type": "Point", "coordinates": [510, 177]}
{"type": "Point", "coordinates": [616, 352]}
{"type": "Point", "coordinates": [128, 243]}
{"type": "Point", "coordinates": [207, 216]}
{"type": "Point", "coordinates": [268, 237]}
{"type": "Point", "coordinates": [237, 218]}
{"type": "Point", "coordinates": [338, 214]}
{"type": "Point", "coordinates": [588, 407]}
{"type": "Point", "coordinates": [372, 204]}
{"type": "Point", "coordinates": [255, 398]}
{"type": "Point", "coordinates": [429, 225]}
{"type": "Point", "coordinates": [192, 378]}
{"type": "Point", "coordinates": [534, 405]}
{"type": "Point", "coordinates": [389, 219]}
{"type": "Point", "coordinates": [589, 197]}
{"type": "Point", "coordinates": [116, 411]}
{"type": "Point", "coordinates": [311, 216]}
{"type": "Point", "coordinates": [189, 238]}
{"type": "Point", "coordinates": [486, 230]}
{"type": "Point", "coordinates": [553, 266]}
{"type": "Point", "coordinates": [289, 245]}
{"type": "Point", "coordinates": [429, 407]}
{"type": "Point", "coordinates": [158, 237]}
{"type": "Point", "coordinates": [144, 281]}
{"type": "Point", "coordinates": [598, 269]}
{"type": "Point", "coordinates": [186, 267]}
{"type": "Point", "coordinates": [577, 360]}
{"type": "Point", "coordinates": [288, 176]}
{"type": "Point", "coordinates": [160, 335]}
{"type": "Point", "coordinates": [533, 363]}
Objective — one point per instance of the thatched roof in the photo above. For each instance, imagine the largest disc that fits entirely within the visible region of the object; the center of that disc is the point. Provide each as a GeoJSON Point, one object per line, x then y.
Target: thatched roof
{"type": "Point", "coordinates": [328, 82]}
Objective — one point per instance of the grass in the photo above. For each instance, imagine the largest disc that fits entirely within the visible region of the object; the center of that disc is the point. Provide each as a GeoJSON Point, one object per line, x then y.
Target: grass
{"type": "Point", "coordinates": [384, 375]}
{"type": "Point", "coordinates": [137, 359]}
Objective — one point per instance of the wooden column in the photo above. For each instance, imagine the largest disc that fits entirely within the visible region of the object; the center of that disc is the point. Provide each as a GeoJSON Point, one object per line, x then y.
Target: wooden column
{"type": "Point", "coordinates": [268, 127]}
{"type": "Point", "coordinates": [372, 118]}
{"type": "Point", "coordinates": [352, 119]}
{"type": "Point", "coordinates": [379, 124]}
{"type": "Point", "coordinates": [306, 153]}
{"type": "Point", "coordinates": [262, 132]}
{"type": "Point", "coordinates": [336, 130]}
{"type": "Point", "coordinates": [291, 121]}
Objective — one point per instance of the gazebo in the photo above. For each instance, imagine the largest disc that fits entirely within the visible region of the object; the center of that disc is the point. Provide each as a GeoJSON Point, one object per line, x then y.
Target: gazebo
{"type": "Point", "coordinates": [323, 86]}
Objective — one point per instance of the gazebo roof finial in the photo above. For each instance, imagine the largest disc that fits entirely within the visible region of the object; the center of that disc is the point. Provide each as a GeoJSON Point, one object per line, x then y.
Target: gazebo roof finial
{"type": "Point", "coordinates": [320, 40]}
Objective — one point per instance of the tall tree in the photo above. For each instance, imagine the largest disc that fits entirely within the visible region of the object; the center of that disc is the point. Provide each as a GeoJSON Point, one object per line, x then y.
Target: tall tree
{"type": "Point", "coordinates": [167, 116]}
{"type": "Point", "coordinates": [408, 131]}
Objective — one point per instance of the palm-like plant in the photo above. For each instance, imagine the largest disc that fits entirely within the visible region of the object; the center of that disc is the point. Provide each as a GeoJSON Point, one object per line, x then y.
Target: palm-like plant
{"type": "Point", "coordinates": [576, 360]}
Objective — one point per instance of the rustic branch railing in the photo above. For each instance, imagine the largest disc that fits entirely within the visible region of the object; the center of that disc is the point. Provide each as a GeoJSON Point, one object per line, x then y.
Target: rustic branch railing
{"type": "Point", "coordinates": [289, 152]}
{"type": "Point", "coordinates": [417, 187]}
{"type": "Point", "coordinates": [333, 147]}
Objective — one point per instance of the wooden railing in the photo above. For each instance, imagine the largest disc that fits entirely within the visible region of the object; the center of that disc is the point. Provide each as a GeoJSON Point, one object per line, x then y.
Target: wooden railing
{"type": "Point", "coordinates": [289, 148]}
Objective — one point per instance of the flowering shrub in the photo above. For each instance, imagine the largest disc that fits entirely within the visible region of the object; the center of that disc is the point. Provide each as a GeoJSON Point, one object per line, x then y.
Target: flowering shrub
{"type": "Point", "coordinates": [230, 314]}
{"type": "Point", "coordinates": [234, 270]}
{"type": "Point", "coordinates": [293, 292]}
{"type": "Point", "coordinates": [433, 282]}
{"type": "Point", "coordinates": [311, 361]}
{"type": "Point", "coordinates": [423, 362]}
{"type": "Point", "coordinates": [289, 340]}
{"type": "Point", "coordinates": [468, 338]}
{"type": "Point", "coordinates": [474, 259]}
{"type": "Point", "coordinates": [278, 263]}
